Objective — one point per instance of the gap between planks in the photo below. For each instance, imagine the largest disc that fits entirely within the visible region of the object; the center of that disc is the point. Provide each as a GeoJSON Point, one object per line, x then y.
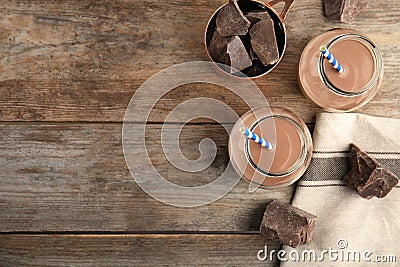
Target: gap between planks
{"type": "Point", "coordinates": [125, 233]}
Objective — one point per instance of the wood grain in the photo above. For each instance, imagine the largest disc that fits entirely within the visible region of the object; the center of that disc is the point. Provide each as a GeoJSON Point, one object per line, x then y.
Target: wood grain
{"type": "Point", "coordinates": [73, 177]}
{"type": "Point", "coordinates": [83, 60]}
{"type": "Point", "coordinates": [68, 70]}
{"type": "Point", "coordinates": [134, 250]}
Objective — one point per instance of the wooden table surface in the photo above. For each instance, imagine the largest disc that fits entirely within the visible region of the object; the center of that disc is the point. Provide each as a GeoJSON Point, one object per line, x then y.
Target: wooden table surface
{"type": "Point", "coordinates": [68, 70]}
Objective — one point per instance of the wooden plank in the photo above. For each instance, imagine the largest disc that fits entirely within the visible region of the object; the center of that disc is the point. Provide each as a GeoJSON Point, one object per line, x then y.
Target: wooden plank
{"type": "Point", "coordinates": [73, 177]}
{"type": "Point", "coordinates": [83, 60]}
{"type": "Point", "coordinates": [134, 250]}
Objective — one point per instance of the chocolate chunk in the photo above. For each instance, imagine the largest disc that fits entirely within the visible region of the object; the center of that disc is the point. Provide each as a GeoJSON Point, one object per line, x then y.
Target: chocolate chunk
{"type": "Point", "coordinates": [257, 69]}
{"type": "Point", "coordinates": [252, 54]}
{"type": "Point", "coordinates": [246, 42]}
{"type": "Point", "coordinates": [263, 41]}
{"type": "Point", "coordinates": [287, 224]}
{"type": "Point", "coordinates": [367, 176]}
{"type": "Point", "coordinates": [224, 63]}
{"type": "Point", "coordinates": [225, 59]}
{"type": "Point", "coordinates": [231, 21]}
{"type": "Point", "coordinates": [238, 54]}
{"type": "Point", "coordinates": [218, 46]}
{"type": "Point", "coordinates": [343, 10]}
{"type": "Point", "coordinates": [255, 17]}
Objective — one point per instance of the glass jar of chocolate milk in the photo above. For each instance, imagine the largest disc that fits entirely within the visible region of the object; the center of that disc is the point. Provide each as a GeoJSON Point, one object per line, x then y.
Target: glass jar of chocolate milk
{"type": "Point", "coordinates": [280, 166]}
{"type": "Point", "coordinates": [347, 91]}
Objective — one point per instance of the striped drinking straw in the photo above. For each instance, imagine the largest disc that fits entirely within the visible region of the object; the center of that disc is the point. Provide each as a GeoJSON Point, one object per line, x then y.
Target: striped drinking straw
{"type": "Point", "coordinates": [335, 64]}
{"type": "Point", "coordinates": [255, 137]}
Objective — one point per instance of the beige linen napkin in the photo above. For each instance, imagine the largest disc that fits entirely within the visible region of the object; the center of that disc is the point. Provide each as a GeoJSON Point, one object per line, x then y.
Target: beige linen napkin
{"type": "Point", "coordinates": [347, 223]}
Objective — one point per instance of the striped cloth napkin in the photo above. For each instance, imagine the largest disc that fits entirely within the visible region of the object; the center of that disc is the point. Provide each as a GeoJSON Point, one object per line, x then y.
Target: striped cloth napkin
{"type": "Point", "coordinates": [347, 223]}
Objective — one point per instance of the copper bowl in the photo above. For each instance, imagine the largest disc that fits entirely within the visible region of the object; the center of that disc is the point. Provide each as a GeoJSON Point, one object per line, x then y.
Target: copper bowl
{"type": "Point", "coordinates": [279, 27]}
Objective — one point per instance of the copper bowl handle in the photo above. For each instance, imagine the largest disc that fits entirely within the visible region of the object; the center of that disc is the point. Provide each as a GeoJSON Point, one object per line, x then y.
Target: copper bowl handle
{"type": "Point", "coordinates": [285, 10]}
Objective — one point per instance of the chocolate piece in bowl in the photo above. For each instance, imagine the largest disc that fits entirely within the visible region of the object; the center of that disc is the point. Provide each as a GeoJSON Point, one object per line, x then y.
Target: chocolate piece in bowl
{"type": "Point", "coordinates": [239, 57]}
{"type": "Point", "coordinates": [343, 10]}
{"type": "Point", "coordinates": [287, 224]}
{"type": "Point", "coordinates": [252, 54]}
{"type": "Point", "coordinates": [246, 42]}
{"type": "Point", "coordinates": [231, 21]}
{"type": "Point", "coordinates": [218, 46]}
{"type": "Point", "coordinates": [367, 176]}
{"type": "Point", "coordinates": [225, 59]}
{"type": "Point", "coordinates": [263, 41]}
{"type": "Point", "coordinates": [255, 17]}
{"type": "Point", "coordinates": [257, 68]}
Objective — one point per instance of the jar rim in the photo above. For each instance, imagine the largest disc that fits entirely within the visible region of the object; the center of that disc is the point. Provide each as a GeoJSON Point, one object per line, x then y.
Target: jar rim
{"type": "Point", "coordinates": [302, 155]}
{"type": "Point", "coordinates": [375, 53]}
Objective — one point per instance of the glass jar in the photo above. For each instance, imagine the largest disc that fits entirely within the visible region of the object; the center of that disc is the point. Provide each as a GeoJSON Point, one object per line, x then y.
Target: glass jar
{"type": "Point", "coordinates": [291, 153]}
{"type": "Point", "coordinates": [363, 71]}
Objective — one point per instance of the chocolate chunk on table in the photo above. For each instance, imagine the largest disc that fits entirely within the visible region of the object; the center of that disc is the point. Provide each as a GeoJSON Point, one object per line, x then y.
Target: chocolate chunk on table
{"type": "Point", "coordinates": [263, 41]}
{"type": "Point", "coordinates": [238, 54]}
{"type": "Point", "coordinates": [343, 10]}
{"type": "Point", "coordinates": [287, 224]}
{"type": "Point", "coordinates": [218, 46]}
{"type": "Point", "coordinates": [231, 21]}
{"type": "Point", "coordinates": [255, 17]}
{"type": "Point", "coordinates": [367, 176]}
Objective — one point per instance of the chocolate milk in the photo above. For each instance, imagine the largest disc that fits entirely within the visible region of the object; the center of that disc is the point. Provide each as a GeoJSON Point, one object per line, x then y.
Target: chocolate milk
{"type": "Point", "coordinates": [363, 71]}
{"type": "Point", "coordinates": [290, 155]}
{"type": "Point", "coordinates": [287, 147]}
{"type": "Point", "coordinates": [357, 61]}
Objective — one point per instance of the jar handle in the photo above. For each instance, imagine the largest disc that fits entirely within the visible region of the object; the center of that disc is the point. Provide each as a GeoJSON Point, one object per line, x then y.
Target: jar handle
{"type": "Point", "coordinates": [285, 10]}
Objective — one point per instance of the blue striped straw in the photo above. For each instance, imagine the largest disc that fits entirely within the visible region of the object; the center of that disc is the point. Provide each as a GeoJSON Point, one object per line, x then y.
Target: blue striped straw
{"type": "Point", "coordinates": [255, 137]}
{"type": "Point", "coordinates": [335, 64]}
